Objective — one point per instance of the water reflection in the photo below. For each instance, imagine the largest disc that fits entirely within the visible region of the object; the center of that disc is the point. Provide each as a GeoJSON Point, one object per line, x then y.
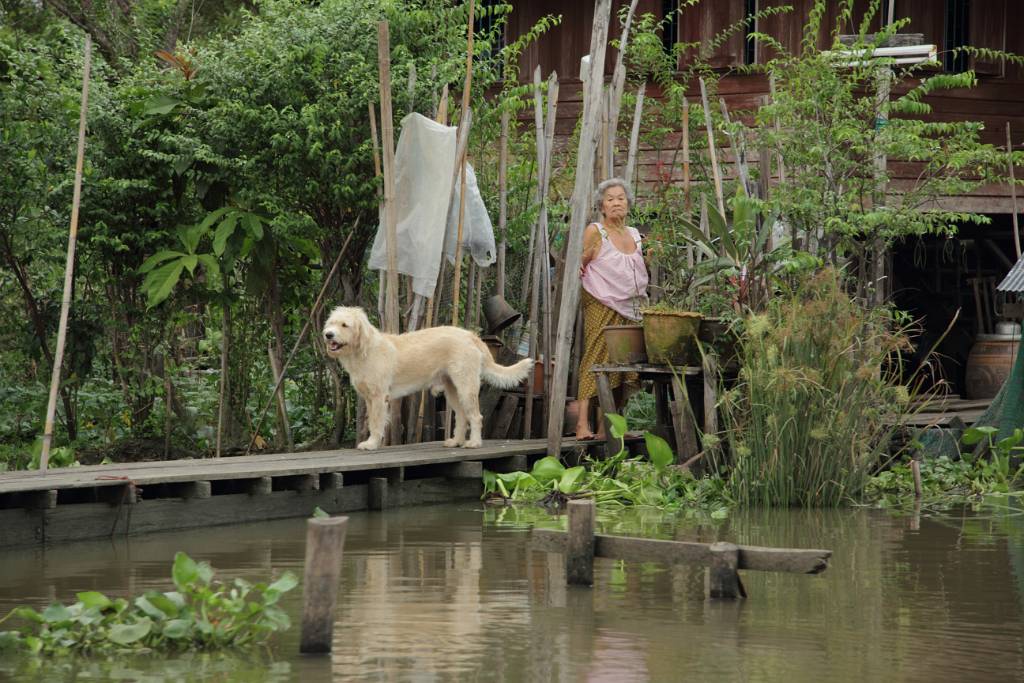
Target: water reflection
{"type": "Point", "coordinates": [455, 593]}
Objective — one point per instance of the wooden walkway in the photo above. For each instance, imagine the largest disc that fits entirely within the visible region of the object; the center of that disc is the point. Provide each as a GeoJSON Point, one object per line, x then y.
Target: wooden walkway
{"type": "Point", "coordinates": [130, 498]}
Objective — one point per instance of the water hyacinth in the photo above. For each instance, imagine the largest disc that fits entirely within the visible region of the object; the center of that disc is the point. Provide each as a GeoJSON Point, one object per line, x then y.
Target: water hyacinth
{"type": "Point", "coordinates": [810, 417]}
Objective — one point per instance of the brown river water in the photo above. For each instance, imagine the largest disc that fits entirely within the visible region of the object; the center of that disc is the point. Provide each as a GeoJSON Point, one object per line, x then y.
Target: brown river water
{"type": "Point", "coordinates": [454, 593]}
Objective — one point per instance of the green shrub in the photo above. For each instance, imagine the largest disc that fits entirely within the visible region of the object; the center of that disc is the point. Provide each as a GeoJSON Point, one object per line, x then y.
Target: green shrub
{"type": "Point", "coordinates": [812, 413]}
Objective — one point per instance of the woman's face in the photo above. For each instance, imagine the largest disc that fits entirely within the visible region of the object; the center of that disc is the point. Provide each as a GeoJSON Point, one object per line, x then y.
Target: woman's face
{"type": "Point", "coordinates": [614, 203]}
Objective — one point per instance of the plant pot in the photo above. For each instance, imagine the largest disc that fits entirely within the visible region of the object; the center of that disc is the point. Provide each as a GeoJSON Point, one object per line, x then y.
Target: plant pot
{"type": "Point", "coordinates": [715, 333]}
{"type": "Point", "coordinates": [625, 344]}
{"type": "Point", "coordinates": [671, 337]}
{"type": "Point", "coordinates": [989, 364]}
{"type": "Point", "coordinates": [538, 374]}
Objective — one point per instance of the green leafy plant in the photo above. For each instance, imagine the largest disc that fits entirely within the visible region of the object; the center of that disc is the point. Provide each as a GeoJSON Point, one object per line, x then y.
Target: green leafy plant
{"type": "Point", "coordinates": [201, 614]}
{"type": "Point", "coordinates": [818, 398]}
{"type": "Point", "coordinates": [616, 481]}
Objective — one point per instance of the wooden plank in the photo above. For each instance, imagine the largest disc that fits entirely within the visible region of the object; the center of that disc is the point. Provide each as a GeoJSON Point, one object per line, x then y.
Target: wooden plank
{"type": "Point", "coordinates": [752, 558]}
{"type": "Point", "coordinates": [683, 422]}
{"type": "Point", "coordinates": [505, 415]}
{"type": "Point", "coordinates": [255, 466]}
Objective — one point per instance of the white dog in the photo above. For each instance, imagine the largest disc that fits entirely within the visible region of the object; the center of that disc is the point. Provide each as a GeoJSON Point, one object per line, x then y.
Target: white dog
{"type": "Point", "coordinates": [387, 366]}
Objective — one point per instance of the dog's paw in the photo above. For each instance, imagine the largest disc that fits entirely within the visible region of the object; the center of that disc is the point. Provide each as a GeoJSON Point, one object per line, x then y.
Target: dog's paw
{"type": "Point", "coordinates": [473, 443]}
{"type": "Point", "coordinates": [452, 443]}
{"type": "Point", "coordinates": [368, 445]}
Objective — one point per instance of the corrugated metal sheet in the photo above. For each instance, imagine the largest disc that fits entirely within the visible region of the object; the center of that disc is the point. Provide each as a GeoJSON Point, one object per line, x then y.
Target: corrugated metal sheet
{"type": "Point", "coordinates": [1014, 280]}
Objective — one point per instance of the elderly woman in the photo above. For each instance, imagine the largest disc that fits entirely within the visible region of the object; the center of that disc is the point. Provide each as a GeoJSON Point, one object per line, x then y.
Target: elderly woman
{"type": "Point", "coordinates": [614, 278]}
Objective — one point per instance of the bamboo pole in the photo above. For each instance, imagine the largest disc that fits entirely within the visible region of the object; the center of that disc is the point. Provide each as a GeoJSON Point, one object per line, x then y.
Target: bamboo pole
{"type": "Point", "coordinates": [412, 87]}
{"type": "Point", "coordinates": [456, 279]}
{"type": "Point", "coordinates": [302, 335]}
{"type": "Point", "coordinates": [275, 369]}
{"type": "Point", "coordinates": [1013, 190]}
{"type": "Point", "coordinates": [738, 149]}
{"type": "Point", "coordinates": [528, 269]}
{"type": "Point", "coordinates": [634, 137]}
{"type": "Point", "coordinates": [687, 202]}
{"type": "Point", "coordinates": [878, 248]}
{"type": "Point", "coordinates": [618, 85]}
{"type": "Point", "coordinates": [382, 283]}
{"type": "Point", "coordinates": [579, 216]}
{"type": "Point", "coordinates": [534, 263]}
{"type": "Point", "coordinates": [387, 126]}
{"type": "Point", "coordinates": [709, 125]}
{"type": "Point", "coordinates": [69, 264]}
{"type": "Point", "coordinates": [502, 202]}
{"type": "Point", "coordinates": [546, 312]}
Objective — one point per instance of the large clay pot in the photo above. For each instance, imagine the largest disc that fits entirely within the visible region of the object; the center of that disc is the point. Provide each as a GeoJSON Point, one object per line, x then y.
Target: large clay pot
{"type": "Point", "coordinates": [671, 337]}
{"type": "Point", "coordinates": [989, 364]}
{"type": "Point", "coordinates": [625, 344]}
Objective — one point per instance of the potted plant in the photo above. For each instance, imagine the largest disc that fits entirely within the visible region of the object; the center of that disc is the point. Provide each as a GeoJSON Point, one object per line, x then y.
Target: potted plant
{"type": "Point", "coordinates": [626, 342]}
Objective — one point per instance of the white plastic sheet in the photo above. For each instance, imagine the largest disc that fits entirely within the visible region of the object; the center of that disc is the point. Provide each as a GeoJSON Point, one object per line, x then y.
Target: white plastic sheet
{"type": "Point", "coordinates": [424, 167]}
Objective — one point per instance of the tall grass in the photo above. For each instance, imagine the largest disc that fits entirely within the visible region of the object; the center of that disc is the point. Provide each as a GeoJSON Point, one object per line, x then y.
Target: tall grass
{"type": "Point", "coordinates": [811, 415]}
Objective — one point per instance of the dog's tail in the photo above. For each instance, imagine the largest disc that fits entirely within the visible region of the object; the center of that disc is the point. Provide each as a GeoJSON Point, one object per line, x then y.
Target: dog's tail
{"type": "Point", "coordinates": [502, 376]}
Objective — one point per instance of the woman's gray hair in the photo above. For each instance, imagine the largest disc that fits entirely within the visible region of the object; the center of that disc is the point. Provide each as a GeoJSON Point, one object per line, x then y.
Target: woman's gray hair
{"type": "Point", "coordinates": [605, 185]}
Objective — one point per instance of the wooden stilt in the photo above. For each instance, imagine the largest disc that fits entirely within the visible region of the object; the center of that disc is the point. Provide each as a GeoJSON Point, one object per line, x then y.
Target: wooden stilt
{"type": "Point", "coordinates": [723, 579]}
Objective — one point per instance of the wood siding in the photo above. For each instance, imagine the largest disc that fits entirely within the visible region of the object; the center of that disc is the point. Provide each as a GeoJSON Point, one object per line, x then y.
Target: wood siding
{"type": "Point", "coordinates": [997, 100]}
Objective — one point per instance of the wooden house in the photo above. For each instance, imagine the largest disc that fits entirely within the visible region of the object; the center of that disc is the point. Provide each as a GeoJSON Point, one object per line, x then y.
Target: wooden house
{"type": "Point", "coordinates": [932, 277]}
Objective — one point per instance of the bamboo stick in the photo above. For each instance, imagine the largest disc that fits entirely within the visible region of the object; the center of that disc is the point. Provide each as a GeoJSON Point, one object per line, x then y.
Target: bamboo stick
{"type": "Point", "coordinates": [275, 369]}
{"type": "Point", "coordinates": [456, 279]}
{"type": "Point", "coordinates": [579, 216]}
{"type": "Point", "coordinates": [738, 149]}
{"type": "Point", "coordinates": [412, 87]}
{"type": "Point", "coordinates": [618, 85]}
{"type": "Point", "coordinates": [302, 334]}
{"type": "Point", "coordinates": [546, 312]}
{"type": "Point", "coordinates": [535, 255]}
{"type": "Point", "coordinates": [687, 202]}
{"type": "Point", "coordinates": [1013, 190]}
{"type": "Point", "coordinates": [502, 202]}
{"type": "Point", "coordinates": [709, 125]}
{"type": "Point", "coordinates": [382, 283]}
{"type": "Point", "coordinates": [69, 264]}
{"type": "Point", "coordinates": [470, 289]}
{"type": "Point", "coordinates": [634, 137]}
{"type": "Point", "coordinates": [388, 169]}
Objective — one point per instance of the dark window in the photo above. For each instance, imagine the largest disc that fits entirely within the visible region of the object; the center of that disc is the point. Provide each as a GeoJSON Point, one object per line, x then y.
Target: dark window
{"type": "Point", "coordinates": [485, 20]}
{"type": "Point", "coordinates": [749, 44]}
{"type": "Point", "coordinates": [957, 34]}
{"type": "Point", "coordinates": [670, 35]}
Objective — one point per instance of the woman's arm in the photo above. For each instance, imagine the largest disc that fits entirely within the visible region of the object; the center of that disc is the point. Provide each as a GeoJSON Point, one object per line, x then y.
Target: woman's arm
{"type": "Point", "coordinates": [591, 245]}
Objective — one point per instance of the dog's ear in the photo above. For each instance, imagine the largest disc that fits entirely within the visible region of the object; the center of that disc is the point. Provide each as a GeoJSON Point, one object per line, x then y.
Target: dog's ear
{"type": "Point", "coordinates": [363, 328]}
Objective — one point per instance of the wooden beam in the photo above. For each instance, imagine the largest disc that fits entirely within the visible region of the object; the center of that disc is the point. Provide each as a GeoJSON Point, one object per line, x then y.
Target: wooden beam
{"type": "Point", "coordinates": [751, 558]}
{"type": "Point", "coordinates": [502, 201]}
{"type": "Point", "coordinates": [1013, 191]}
{"type": "Point", "coordinates": [579, 218]}
{"type": "Point", "coordinates": [579, 545]}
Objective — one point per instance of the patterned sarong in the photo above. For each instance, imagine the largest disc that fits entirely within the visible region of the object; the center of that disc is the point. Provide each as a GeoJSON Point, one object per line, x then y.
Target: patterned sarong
{"type": "Point", "coordinates": [595, 352]}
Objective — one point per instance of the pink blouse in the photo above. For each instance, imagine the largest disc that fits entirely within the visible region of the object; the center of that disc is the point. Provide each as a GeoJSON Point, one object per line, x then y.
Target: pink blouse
{"type": "Point", "coordinates": [618, 280]}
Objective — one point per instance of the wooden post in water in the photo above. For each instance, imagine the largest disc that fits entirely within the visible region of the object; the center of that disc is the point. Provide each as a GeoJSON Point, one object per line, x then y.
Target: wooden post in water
{"type": "Point", "coordinates": [915, 468]}
{"type": "Point", "coordinates": [723, 579]}
{"type": "Point", "coordinates": [325, 541]}
{"type": "Point", "coordinates": [579, 551]}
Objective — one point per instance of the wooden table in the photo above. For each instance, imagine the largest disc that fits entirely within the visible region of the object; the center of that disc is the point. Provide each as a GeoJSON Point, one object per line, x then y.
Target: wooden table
{"type": "Point", "coordinates": [671, 400]}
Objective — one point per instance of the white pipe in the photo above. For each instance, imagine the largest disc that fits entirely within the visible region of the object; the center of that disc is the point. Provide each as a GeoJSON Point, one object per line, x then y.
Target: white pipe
{"type": "Point", "coordinates": [923, 51]}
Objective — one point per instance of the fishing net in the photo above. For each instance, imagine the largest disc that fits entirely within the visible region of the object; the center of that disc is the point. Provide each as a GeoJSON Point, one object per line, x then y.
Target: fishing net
{"type": "Point", "coordinates": [424, 163]}
{"type": "Point", "coordinates": [1005, 413]}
